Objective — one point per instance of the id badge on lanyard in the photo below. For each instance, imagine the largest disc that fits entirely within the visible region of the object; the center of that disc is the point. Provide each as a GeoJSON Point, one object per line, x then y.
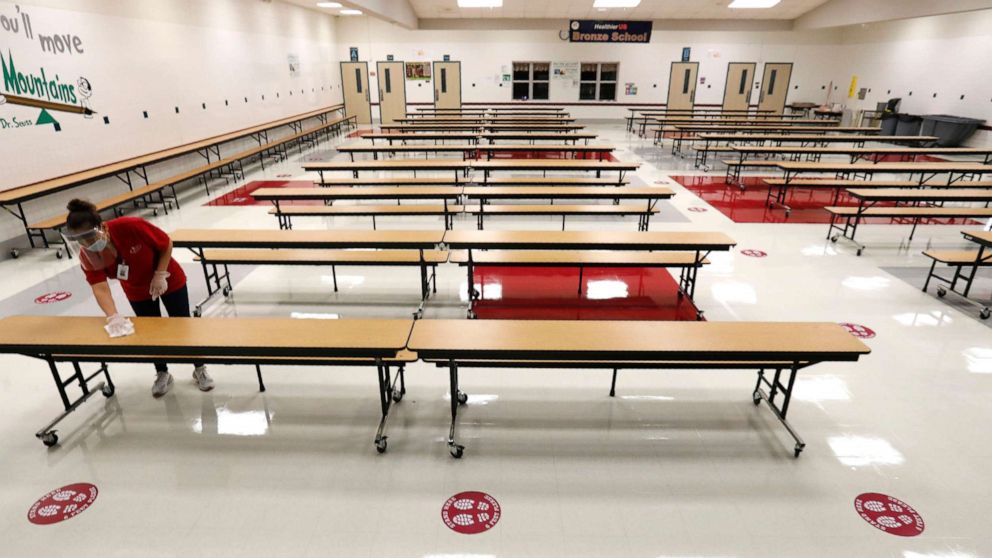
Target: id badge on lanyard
{"type": "Point", "coordinates": [123, 271]}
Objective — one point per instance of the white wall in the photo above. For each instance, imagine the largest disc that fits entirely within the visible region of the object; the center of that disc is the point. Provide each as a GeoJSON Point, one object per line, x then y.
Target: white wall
{"type": "Point", "coordinates": [485, 53]}
{"type": "Point", "coordinates": [944, 55]}
{"type": "Point", "coordinates": [155, 55]}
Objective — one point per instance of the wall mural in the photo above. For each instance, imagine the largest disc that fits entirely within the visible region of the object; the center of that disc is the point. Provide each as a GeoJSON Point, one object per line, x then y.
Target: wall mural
{"type": "Point", "coordinates": [39, 87]}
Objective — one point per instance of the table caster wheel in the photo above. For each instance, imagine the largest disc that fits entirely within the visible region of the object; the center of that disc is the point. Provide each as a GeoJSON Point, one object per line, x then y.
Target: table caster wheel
{"type": "Point", "coordinates": [834, 238]}
{"type": "Point", "coordinates": [756, 399]}
{"type": "Point", "coordinates": [860, 250]}
{"type": "Point", "coordinates": [456, 451]}
{"type": "Point", "coordinates": [197, 312]}
{"type": "Point", "coordinates": [788, 212]}
{"type": "Point", "coordinates": [462, 398]}
{"type": "Point", "coordinates": [50, 438]}
{"type": "Point", "coordinates": [58, 254]}
{"type": "Point", "coordinates": [472, 315]}
{"type": "Point", "coordinates": [15, 253]}
{"type": "Point", "coordinates": [476, 294]}
{"type": "Point", "coordinates": [984, 314]}
{"type": "Point", "coordinates": [397, 395]}
{"type": "Point", "coordinates": [108, 390]}
{"type": "Point", "coordinates": [418, 314]}
{"type": "Point", "coordinates": [941, 292]}
{"type": "Point", "coordinates": [227, 291]}
{"type": "Point", "coordinates": [381, 444]}
{"type": "Point", "coordinates": [799, 449]}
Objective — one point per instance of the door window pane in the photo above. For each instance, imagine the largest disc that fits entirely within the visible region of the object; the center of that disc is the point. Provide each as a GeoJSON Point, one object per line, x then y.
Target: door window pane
{"type": "Point", "coordinates": [444, 80]}
{"type": "Point", "coordinates": [389, 85]}
{"type": "Point", "coordinates": [771, 82]}
{"type": "Point", "coordinates": [743, 82]}
{"type": "Point", "coordinates": [358, 79]}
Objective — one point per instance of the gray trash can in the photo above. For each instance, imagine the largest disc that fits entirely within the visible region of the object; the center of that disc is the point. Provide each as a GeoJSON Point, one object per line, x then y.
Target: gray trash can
{"type": "Point", "coordinates": [908, 125]}
{"type": "Point", "coordinates": [951, 131]}
{"type": "Point", "coordinates": [889, 121]}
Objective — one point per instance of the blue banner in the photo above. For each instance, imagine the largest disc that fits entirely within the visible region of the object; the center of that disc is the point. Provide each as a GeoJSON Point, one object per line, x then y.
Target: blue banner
{"type": "Point", "coordinates": [596, 31]}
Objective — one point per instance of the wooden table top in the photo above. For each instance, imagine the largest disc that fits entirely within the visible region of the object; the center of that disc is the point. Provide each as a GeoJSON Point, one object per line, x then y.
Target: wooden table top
{"type": "Point", "coordinates": [395, 164]}
{"type": "Point", "coordinates": [704, 109]}
{"type": "Point", "coordinates": [765, 127]}
{"type": "Point", "coordinates": [814, 137]}
{"type": "Point", "coordinates": [757, 120]}
{"type": "Point", "coordinates": [418, 136]}
{"type": "Point", "coordinates": [588, 240]}
{"type": "Point", "coordinates": [639, 192]}
{"type": "Point", "coordinates": [69, 180]}
{"type": "Point", "coordinates": [532, 135]}
{"type": "Point", "coordinates": [238, 337]}
{"type": "Point", "coordinates": [499, 118]}
{"type": "Point", "coordinates": [263, 238]}
{"type": "Point", "coordinates": [634, 340]}
{"type": "Point", "coordinates": [913, 194]}
{"type": "Point", "coordinates": [554, 164]}
{"type": "Point", "coordinates": [476, 147]}
{"type": "Point", "coordinates": [920, 166]}
{"type": "Point", "coordinates": [366, 192]}
{"type": "Point", "coordinates": [575, 258]}
{"type": "Point", "coordinates": [981, 237]}
{"type": "Point", "coordinates": [858, 150]}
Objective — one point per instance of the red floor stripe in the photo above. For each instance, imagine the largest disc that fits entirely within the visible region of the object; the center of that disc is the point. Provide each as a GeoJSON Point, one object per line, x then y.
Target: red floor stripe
{"type": "Point", "coordinates": [750, 205]}
{"type": "Point", "coordinates": [552, 294]}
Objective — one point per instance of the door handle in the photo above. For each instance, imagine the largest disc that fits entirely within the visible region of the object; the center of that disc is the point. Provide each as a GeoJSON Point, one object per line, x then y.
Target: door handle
{"type": "Point", "coordinates": [436, 94]}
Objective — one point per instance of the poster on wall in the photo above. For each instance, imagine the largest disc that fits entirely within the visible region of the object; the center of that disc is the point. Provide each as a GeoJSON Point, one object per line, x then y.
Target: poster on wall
{"type": "Point", "coordinates": [294, 65]}
{"type": "Point", "coordinates": [27, 88]}
{"type": "Point", "coordinates": [629, 89]}
{"type": "Point", "coordinates": [599, 31]}
{"type": "Point", "coordinates": [418, 70]}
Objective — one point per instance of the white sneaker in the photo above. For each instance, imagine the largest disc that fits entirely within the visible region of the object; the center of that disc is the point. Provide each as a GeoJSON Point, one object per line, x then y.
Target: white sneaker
{"type": "Point", "coordinates": [163, 381]}
{"type": "Point", "coordinates": [202, 379]}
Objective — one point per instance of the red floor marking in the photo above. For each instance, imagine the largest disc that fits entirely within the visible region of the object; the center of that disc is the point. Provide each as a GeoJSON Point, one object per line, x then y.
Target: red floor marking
{"type": "Point", "coordinates": [889, 514]}
{"type": "Point", "coordinates": [242, 194]}
{"type": "Point", "coordinates": [49, 298]}
{"type": "Point", "coordinates": [752, 253]}
{"type": "Point", "coordinates": [470, 513]}
{"type": "Point", "coordinates": [859, 331]}
{"type": "Point", "coordinates": [751, 204]}
{"type": "Point", "coordinates": [62, 503]}
{"type": "Point", "coordinates": [551, 293]}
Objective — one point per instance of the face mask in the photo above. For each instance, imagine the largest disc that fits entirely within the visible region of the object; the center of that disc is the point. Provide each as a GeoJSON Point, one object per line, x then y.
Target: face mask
{"type": "Point", "coordinates": [98, 246]}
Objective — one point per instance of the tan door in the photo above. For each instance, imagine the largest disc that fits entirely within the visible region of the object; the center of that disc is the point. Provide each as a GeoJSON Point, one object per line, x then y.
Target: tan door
{"type": "Point", "coordinates": [392, 91]}
{"type": "Point", "coordinates": [740, 82]}
{"type": "Point", "coordinates": [682, 85]}
{"type": "Point", "coordinates": [355, 81]}
{"type": "Point", "coordinates": [775, 86]}
{"type": "Point", "coordinates": [448, 84]}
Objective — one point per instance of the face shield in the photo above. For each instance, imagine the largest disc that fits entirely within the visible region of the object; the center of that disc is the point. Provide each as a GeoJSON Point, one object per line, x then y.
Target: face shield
{"type": "Point", "coordinates": [93, 247]}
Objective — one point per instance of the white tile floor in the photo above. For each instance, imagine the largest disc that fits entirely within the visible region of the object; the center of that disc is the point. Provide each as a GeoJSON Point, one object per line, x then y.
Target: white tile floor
{"type": "Point", "coordinates": [680, 464]}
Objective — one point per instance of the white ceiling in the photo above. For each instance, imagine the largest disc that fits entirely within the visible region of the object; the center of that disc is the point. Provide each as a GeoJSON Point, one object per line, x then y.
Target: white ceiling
{"type": "Point", "coordinates": [649, 9]}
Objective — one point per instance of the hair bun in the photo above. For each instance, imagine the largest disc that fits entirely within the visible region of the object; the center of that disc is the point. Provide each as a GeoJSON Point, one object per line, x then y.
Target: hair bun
{"type": "Point", "coordinates": [80, 205]}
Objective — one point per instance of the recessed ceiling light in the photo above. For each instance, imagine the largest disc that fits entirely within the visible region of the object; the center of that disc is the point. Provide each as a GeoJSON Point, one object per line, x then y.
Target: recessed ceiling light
{"type": "Point", "coordinates": [329, 5]}
{"type": "Point", "coordinates": [480, 3]}
{"type": "Point", "coordinates": [753, 3]}
{"type": "Point", "coordinates": [350, 12]}
{"type": "Point", "coordinates": [616, 3]}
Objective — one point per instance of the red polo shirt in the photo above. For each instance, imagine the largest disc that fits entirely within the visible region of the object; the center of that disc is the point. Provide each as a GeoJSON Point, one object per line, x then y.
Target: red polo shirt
{"type": "Point", "coordinates": [139, 245]}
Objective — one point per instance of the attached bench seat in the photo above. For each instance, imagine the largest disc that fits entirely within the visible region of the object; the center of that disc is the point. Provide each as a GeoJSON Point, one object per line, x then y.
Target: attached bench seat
{"type": "Point", "coordinates": [576, 258]}
{"type": "Point", "coordinates": [853, 215]}
{"type": "Point", "coordinates": [847, 183]}
{"type": "Point", "coordinates": [285, 214]}
{"type": "Point", "coordinates": [734, 167]}
{"type": "Point", "coordinates": [965, 264]}
{"type": "Point", "coordinates": [553, 181]}
{"type": "Point", "coordinates": [220, 258]}
{"type": "Point", "coordinates": [148, 193]}
{"type": "Point", "coordinates": [563, 210]}
{"type": "Point", "coordinates": [394, 181]}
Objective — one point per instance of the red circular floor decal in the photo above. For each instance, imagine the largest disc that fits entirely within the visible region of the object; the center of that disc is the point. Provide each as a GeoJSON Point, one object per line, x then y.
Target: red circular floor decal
{"type": "Point", "coordinates": [697, 209]}
{"type": "Point", "coordinates": [889, 514]}
{"type": "Point", "coordinates": [62, 503]}
{"type": "Point", "coordinates": [859, 331]}
{"type": "Point", "coordinates": [49, 298]}
{"type": "Point", "coordinates": [470, 512]}
{"type": "Point", "coordinates": [753, 253]}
